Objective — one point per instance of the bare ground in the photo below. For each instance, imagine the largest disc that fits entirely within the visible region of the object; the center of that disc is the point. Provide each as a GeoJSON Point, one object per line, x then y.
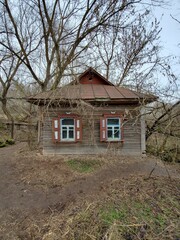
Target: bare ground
{"type": "Point", "coordinates": [35, 187]}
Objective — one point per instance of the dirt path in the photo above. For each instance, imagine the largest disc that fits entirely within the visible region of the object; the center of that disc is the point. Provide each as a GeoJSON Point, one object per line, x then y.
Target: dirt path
{"type": "Point", "coordinates": [15, 194]}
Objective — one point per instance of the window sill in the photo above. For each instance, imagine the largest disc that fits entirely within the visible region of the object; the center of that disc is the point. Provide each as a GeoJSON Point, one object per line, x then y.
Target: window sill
{"type": "Point", "coordinates": [65, 142]}
{"type": "Point", "coordinates": [114, 141]}
{"type": "Point", "coordinates": [73, 141]}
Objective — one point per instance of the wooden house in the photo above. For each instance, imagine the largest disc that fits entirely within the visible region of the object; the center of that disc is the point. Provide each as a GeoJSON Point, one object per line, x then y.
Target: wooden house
{"type": "Point", "coordinates": [91, 116]}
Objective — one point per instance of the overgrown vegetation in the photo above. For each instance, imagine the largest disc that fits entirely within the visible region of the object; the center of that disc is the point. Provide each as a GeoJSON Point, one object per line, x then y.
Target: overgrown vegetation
{"type": "Point", "coordinates": [138, 212]}
{"type": "Point", "coordinates": [130, 209]}
{"type": "Point", "coordinates": [2, 144]}
{"type": "Point", "coordinates": [112, 203]}
{"type": "Point", "coordinates": [10, 141]}
{"type": "Point", "coordinates": [164, 146]}
{"type": "Point", "coordinates": [6, 141]}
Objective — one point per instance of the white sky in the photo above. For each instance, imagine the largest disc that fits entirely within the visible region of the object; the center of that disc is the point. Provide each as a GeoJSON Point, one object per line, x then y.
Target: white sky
{"type": "Point", "coordinates": [170, 34]}
{"type": "Point", "coordinates": [170, 37]}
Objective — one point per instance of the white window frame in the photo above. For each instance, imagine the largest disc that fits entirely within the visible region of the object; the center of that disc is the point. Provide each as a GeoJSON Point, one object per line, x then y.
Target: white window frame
{"type": "Point", "coordinates": [113, 129]}
{"type": "Point", "coordinates": [67, 129]}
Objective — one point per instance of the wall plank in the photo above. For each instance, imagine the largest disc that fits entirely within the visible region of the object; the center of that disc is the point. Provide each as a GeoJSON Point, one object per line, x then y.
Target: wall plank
{"type": "Point", "coordinates": [91, 136]}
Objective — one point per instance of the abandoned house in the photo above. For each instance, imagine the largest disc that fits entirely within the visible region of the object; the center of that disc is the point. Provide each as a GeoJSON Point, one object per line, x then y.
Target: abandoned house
{"type": "Point", "coordinates": [91, 116]}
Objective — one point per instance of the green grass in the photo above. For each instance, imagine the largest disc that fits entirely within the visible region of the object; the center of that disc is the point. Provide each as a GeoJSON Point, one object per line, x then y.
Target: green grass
{"type": "Point", "coordinates": [83, 166]}
{"type": "Point", "coordinates": [111, 214]}
{"type": "Point", "coordinates": [123, 219]}
{"type": "Point", "coordinates": [133, 212]}
{"type": "Point", "coordinates": [128, 209]}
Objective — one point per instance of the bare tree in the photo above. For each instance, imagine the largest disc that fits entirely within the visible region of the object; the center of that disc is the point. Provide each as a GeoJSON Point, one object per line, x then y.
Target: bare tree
{"type": "Point", "coordinates": [130, 52]}
{"type": "Point", "coordinates": [164, 118]}
{"type": "Point", "coordinates": [9, 66]}
{"type": "Point", "coordinates": [52, 35]}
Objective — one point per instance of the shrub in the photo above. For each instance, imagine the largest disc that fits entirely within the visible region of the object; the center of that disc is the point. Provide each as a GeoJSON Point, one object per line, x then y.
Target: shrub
{"type": "Point", "coordinates": [10, 141]}
{"type": "Point", "coordinates": [2, 144]}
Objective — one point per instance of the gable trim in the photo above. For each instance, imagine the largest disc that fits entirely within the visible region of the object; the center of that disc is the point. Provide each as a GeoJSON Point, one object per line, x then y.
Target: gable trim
{"type": "Point", "coordinates": [95, 72]}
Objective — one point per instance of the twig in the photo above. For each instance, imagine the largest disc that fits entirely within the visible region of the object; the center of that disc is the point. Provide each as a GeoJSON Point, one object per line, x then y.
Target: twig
{"type": "Point", "coordinates": [152, 171]}
{"type": "Point", "coordinates": [132, 225]}
{"type": "Point", "coordinates": [167, 171]}
{"type": "Point", "coordinates": [91, 236]}
{"type": "Point", "coordinates": [51, 209]}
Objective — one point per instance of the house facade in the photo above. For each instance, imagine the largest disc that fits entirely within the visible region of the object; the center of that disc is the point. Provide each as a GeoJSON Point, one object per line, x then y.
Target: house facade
{"type": "Point", "coordinates": [91, 116]}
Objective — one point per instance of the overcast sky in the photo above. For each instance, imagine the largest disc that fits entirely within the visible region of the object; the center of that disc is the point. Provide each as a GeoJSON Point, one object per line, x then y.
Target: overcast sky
{"type": "Point", "coordinates": [170, 34]}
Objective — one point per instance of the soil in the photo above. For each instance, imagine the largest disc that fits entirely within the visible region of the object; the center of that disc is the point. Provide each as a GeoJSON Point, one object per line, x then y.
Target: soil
{"type": "Point", "coordinates": [31, 183]}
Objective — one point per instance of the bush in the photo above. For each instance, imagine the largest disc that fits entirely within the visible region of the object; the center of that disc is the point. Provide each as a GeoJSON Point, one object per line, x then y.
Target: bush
{"type": "Point", "coordinates": [167, 155]}
{"type": "Point", "coordinates": [2, 144]}
{"type": "Point", "coordinates": [10, 141]}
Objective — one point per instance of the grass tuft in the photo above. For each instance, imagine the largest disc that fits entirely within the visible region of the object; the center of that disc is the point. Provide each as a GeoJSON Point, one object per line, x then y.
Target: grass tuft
{"type": "Point", "coordinates": [111, 214]}
{"type": "Point", "coordinates": [82, 166]}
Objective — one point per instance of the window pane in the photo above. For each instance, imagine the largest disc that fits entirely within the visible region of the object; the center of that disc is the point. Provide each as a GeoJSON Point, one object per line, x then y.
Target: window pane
{"type": "Point", "coordinates": [116, 133]}
{"type": "Point", "coordinates": [71, 134]}
{"type": "Point", "coordinates": [67, 121]}
{"type": "Point", "coordinates": [110, 133]}
{"type": "Point", "coordinates": [113, 121]}
{"type": "Point", "coordinates": [64, 134]}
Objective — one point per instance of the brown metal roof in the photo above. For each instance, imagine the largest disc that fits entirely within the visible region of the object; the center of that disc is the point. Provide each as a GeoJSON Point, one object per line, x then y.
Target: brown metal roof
{"type": "Point", "coordinates": [92, 93]}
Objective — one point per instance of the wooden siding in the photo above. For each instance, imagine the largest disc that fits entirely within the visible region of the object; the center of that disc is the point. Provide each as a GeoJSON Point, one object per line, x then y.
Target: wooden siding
{"type": "Point", "coordinates": [91, 79]}
{"type": "Point", "coordinates": [90, 143]}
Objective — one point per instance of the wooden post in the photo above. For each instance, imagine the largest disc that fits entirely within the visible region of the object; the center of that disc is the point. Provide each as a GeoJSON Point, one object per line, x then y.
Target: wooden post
{"type": "Point", "coordinates": [143, 132]}
{"type": "Point", "coordinates": [39, 123]}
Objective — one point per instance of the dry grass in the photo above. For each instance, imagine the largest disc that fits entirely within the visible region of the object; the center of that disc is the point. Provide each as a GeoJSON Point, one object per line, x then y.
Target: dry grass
{"type": "Point", "coordinates": [49, 172]}
{"type": "Point", "coordinates": [129, 209]}
{"type": "Point", "coordinates": [143, 210]}
{"type": "Point", "coordinates": [109, 207]}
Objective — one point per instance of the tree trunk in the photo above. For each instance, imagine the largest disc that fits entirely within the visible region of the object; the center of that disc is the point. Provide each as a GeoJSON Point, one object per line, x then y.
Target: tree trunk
{"type": "Point", "coordinates": [8, 115]}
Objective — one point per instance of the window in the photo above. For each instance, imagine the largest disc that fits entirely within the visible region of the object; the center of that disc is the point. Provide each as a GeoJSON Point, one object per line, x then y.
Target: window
{"type": "Point", "coordinates": [111, 128]}
{"type": "Point", "coordinates": [67, 129]}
